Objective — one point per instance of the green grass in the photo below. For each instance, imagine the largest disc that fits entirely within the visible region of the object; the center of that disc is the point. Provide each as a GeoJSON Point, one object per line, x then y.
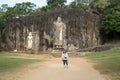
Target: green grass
{"type": "Point", "coordinates": [7, 63]}
{"type": "Point", "coordinates": [108, 62]}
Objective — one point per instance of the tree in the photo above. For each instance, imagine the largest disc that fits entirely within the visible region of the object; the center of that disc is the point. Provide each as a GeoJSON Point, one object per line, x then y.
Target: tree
{"type": "Point", "coordinates": [3, 10]}
{"type": "Point", "coordinates": [99, 5]}
{"type": "Point", "coordinates": [81, 4]}
{"type": "Point", "coordinates": [114, 2]}
{"type": "Point", "coordinates": [23, 9]}
{"type": "Point", "coordinates": [56, 3]}
{"type": "Point", "coordinates": [4, 7]}
{"type": "Point", "coordinates": [87, 2]}
{"type": "Point", "coordinates": [73, 5]}
{"type": "Point", "coordinates": [111, 19]}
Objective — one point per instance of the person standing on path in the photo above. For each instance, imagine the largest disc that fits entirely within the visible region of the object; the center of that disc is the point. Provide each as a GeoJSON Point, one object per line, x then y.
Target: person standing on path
{"type": "Point", "coordinates": [65, 59]}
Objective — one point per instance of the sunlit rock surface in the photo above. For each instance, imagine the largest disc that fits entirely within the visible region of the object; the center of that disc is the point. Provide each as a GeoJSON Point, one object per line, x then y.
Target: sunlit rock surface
{"type": "Point", "coordinates": [77, 30]}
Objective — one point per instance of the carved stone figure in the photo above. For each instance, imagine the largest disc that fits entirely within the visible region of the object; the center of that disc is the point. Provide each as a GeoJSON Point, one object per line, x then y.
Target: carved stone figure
{"type": "Point", "coordinates": [30, 41]}
{"type": "Point", "coordinates": [59, 32]}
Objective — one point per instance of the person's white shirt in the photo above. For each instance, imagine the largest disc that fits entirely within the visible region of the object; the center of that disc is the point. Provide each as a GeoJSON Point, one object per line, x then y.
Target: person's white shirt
{"type": "Point", "coordinates": [65, 56]}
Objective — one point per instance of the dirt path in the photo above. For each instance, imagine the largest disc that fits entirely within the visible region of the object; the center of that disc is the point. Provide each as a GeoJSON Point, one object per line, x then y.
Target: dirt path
{"type": "Point", "coordinates": [79, 69]}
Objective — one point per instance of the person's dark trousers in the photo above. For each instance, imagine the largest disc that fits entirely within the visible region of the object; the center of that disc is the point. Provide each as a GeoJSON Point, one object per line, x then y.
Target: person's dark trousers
{"type": "Point", "coordinates": [65, 62]}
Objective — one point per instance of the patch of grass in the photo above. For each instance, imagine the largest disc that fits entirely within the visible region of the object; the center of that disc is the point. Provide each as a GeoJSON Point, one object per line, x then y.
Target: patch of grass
{"type": "Point", "coordinates": [108, 62]}
{"type": "Point", "coordinates": [7, 63]}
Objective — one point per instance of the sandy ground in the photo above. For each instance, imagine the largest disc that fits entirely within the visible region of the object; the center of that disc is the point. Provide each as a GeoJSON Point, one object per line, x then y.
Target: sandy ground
{"type": "Point", "coordinates": [79, 69]}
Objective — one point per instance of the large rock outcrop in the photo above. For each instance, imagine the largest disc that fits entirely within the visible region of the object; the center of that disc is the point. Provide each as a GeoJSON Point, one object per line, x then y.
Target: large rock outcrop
{"type": "Point", "coordinates": [81, 30]}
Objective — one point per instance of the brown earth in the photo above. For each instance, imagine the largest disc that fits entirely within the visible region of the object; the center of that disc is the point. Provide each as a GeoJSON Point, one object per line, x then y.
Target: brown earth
{"type": "Point", "coordinates": [79, 69]}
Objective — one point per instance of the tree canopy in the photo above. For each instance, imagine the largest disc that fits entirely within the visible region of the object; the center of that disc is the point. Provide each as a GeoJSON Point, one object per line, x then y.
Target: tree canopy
{"type": "Point", "coordinates": [111, 17]}
{"type": "Point", "coordinates": [56, 3]}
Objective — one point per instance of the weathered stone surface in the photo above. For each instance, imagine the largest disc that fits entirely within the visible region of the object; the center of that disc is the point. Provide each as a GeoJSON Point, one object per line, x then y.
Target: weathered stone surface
{"type": "Point", "coordinates": [99, 48]}
{"type": "Point", "coordinates": [82, 30]}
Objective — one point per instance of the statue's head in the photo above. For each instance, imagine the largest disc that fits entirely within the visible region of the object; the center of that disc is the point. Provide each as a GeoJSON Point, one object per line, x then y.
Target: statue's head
{"type": "Point", "coordinates": [30, 33]}
{"type": "Point", "coordinates": [59, 19]}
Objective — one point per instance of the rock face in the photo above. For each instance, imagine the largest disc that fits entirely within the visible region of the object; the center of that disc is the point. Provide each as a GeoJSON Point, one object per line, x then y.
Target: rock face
{"type": "Point", "coordinates": [75, 29]}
